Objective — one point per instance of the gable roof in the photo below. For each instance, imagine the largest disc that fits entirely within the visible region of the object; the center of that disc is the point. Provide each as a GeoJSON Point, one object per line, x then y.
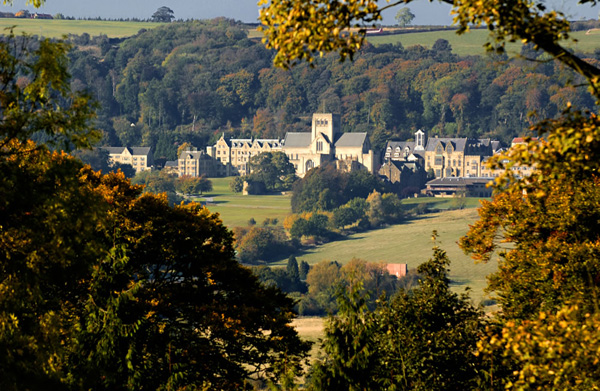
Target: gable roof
{"type": "Point", "coordinates": [394, 147]}
{"type": "Point", "coordinates": [132, 150]}
{"type": "Point", "coordinates": [140, 151]}
{"type": "Point", "coordinates": [114, 150]}
{"type": "Point", "coordinates": [297, 139]}
{"type": "Point", "coordinates": [351, 140]}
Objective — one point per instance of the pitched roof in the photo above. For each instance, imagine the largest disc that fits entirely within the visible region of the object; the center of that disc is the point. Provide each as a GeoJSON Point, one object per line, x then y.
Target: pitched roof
{"type": "Point", "coordinates": [114, 150]}
{"type": "Point", "coordinates": [460, 181]}
{"type": "Point", "coordinates": [351, 140]}
{"type": "Point", "coordinates": [132, 150]}
{"type": "Point", "coordinates": [140, 151]}
{"type": "Point", "coordinates": [297, 139]}
{"type": "Point", "coordinates": [192, 155]}
{"type": "Point", "coordinates": [171, 164]}
{"type": "Point", "coordinates": [459, 144]}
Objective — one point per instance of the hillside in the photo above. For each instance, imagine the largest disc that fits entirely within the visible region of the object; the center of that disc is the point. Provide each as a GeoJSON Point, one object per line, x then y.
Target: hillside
{"type": "Point", "coordinates": [56, 28]}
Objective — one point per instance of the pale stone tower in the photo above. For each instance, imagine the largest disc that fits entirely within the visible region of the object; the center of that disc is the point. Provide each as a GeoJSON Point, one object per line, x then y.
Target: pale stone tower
{"type": "Point", "coordinates": [326, 123]}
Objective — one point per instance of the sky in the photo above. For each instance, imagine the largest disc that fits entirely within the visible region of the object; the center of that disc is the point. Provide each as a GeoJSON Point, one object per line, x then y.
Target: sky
{"type": "Point", "coordinates": [426, 13]}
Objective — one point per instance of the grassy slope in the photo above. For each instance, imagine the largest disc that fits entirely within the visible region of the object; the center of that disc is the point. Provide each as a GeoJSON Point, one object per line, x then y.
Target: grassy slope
{"type": "Point", "coordinates": [472, 42]}
{"type": "Point", "coordinates": [406, 243]}
{"type": "Point", "coordinates": [57, 28]}
{"type": "Point", "coordinates": [236, 209]}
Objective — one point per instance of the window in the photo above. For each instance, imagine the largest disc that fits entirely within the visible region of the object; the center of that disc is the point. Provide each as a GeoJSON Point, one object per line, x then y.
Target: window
{"type": "Point", "coordinates": [319, 146]}
{"type": "Point", "coordinates": [309, 165]}
{"type": "Point", "coordinates": [439, 160]}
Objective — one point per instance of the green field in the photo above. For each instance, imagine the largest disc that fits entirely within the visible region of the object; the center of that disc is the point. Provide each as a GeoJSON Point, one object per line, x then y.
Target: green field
{"type": "Point", "coordinates": [237, 209]}
{"type": "Point", "coordinates": [405, 243]}
{"type": "Point", "coordinates": [56, 28]}
{"type": "Point", "coordinates": [411, 243]}
{"type": "Point", "coordinates": [472, 42]}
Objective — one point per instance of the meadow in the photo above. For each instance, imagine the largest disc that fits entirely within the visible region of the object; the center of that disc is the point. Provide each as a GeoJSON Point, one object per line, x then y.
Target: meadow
{"type": "Point", "coordinates": [466, 44]}
{"type": "Point", "coordinates": [56, 28]}
{"type": "Point", "coordinates": [408, 243]}
{"type": "Point", "coordinates": [237, 209]}
{"type": "Point", "coordinates": [471, 43]}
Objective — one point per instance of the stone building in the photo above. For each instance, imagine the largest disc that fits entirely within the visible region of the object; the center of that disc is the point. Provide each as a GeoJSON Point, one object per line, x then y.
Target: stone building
{"type": "Point", "coordinates": [140, 158]}
{"type": "Point", "coordinates": [326, 143]}
{"type": "Point", "coordinates": [196, 163]}
{"type": "Point", "coordinates": [231, 156]}
{"type": "Point", "coordinates": [445, 157]}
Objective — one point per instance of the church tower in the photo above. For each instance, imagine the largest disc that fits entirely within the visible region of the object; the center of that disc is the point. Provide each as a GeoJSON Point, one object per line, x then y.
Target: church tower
{"type": "Point", "coordinates": [326, 123]}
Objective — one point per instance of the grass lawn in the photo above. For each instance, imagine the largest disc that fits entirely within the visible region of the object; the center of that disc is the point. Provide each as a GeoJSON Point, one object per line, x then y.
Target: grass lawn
{"type": "Point", "coordinates": [405, 243]}
{"type": "Point", "coordinates": [411, 243]}
{"type": "Point", "coordinates": [237, 209]}
{"type": "Point", "coordinates": [55, 28]}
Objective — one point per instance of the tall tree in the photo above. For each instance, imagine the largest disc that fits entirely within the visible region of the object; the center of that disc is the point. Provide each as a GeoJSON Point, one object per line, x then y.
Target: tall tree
{"type": "Point", "coordinates": [404, 17]}
{"type": "Point", "coordinates": [48, 213]}
{"type": "Point", "coordinates": [104, 288]}
{"type": "Point", "coordinates": [421, 339]}
{"type": "Point", "coordinates": [273, 169]}
{"type": "Point", "coordinates": [163, 14]}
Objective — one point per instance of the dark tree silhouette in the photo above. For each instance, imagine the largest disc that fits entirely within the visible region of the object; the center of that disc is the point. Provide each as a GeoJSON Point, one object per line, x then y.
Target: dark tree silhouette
{"type": "Point", "coordinates": [163, 14]}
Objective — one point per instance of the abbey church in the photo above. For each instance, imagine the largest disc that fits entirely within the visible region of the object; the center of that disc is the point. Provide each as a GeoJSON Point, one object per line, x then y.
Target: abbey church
{"type": "Point", "coordinates": [324, 143]}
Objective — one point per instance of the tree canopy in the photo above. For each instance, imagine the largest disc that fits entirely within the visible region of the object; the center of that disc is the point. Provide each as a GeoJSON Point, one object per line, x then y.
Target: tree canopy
{"type": "Point", "coordinates": [163, 14]}
{"type": "Point", "coordinates": [103, 287]}
{"type": "Point", "coordinates": [549, 274]}
{"type": "Point", "coordinates": [404, 17]}
{"type": "Point", "coordinates": [273, 169]}
{"type": "Point", "coordinates": [298, 30]}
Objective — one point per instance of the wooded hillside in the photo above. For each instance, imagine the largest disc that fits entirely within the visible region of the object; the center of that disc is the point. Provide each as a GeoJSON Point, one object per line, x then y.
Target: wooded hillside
{"type": "Point", "coordinates": [192, 81]}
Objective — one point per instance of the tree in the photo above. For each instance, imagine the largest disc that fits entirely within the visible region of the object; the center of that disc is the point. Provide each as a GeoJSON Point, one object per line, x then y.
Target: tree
{"type": "Point", "coordinates": [49, 214]}
{"type": "Point", "coordinates": [349, 345]}
{"type": "Point", "coordinates": [404, 17]}
{"type": "Point", "coordinates": [237, 184]}
{"type": "Point", "coordinates": [191, 304]}
{"type": "Point", "coordinates": [431, 333]}
{"type": "Point", "coordinates": [163, 15]}
{"type": "Point", "coordinates": [554, 261]}
{"type": "Point", "coordinates": [262, 244]}
{"type": "Point", "coordinates": [297, 37]}
{"type": "Point", "coordinates": [273, 169]}
{"type": "Point", "coordinates": [100, 289]}
{"type": "Point", "coordinates": [192, 185]}
{"type": "Point", "coordinates": [304, 268]}
{"type": "Point", "coordinates": [554, 351]}
{"type": "Point", "coordinates": [419, 340]}
{"type": "Point", "coordinates": [292, 268]}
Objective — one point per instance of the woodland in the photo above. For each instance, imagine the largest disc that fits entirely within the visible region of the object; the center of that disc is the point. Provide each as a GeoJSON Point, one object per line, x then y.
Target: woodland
{"type": "Point", "coordinates": [194, 81]}
{"type": "Point", "coordinates": [105, 288]}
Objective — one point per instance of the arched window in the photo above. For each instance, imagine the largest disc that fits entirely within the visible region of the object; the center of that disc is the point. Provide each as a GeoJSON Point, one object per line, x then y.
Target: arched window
{"type": "Point", "coordinates": [309, 165]}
